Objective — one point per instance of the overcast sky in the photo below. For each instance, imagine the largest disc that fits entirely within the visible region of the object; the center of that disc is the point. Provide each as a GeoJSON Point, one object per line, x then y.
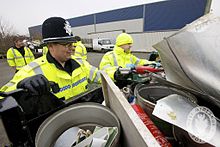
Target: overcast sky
{"type": "Point", "coordinates": [22, 14]}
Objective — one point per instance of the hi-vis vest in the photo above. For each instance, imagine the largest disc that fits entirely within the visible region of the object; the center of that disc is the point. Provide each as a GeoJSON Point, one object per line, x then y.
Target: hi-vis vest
{"type": "Point", "coordinates": [15, 58]}
{"type": "Point", "coordinates": [70, 85]}
{"type": "Point", "coordinates": [80, 50]}
{"type": "Point", "coordinates": [45, 50]}
{"type": "Point", "coordinates": [112, 60]}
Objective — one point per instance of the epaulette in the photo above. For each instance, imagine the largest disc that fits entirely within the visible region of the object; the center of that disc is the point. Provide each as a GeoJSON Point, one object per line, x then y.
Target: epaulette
{"type": "Point", "coordinates": [34, 64]}
{"type": "Point", "coordinates": [78, 59]}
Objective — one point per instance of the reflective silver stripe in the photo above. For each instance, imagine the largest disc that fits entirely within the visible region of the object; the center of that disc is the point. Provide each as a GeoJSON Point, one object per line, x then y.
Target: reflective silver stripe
{"type": "Point", "coordinates": [98, 76]}
{"type": "Point", "coordinates": [33, 64]}
{"type": "Point", "coordinates": [137, 61]}
{"type": "Point", "coordinates": [115, 61]}
{"type": "Point", "coordinates": [106, 66]}
{"type": "Point", "coordinates": [131, 60]}
{"type": "Point", "coordinates": [10, 58]}
{"type": "Point", "coordinates": [92, 71]}
{"type": "Point", "coordinates": [13, 51]}
{"type": "Point", "coordinates": [80, 60]}
{"type": "Point", "coordinates": [18, 57]}
{"type": "Point", "coordinates": [79, 53]}
{"type": "Point", "coordinates": [28, 56]}
{"type": "Point", "coordinates": [9, 84]}
{"type": "Point", "coordinates": [15, 56]}
{"type": "Point", "coordinates": [19, 66]}
{"type": "Point", "coordinates": [28, 53]}
{"type": "Point", "coordinates": [36, 68]}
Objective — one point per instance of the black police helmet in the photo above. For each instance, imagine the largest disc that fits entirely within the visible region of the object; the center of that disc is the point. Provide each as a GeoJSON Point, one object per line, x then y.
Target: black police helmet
{"type": "Point", "coordinates": [56, 29]}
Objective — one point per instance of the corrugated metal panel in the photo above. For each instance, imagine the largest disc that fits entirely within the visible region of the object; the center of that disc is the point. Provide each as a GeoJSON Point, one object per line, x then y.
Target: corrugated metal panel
{"type": "Point", "coordinates": [82, 21]}
{"type": "Point", "coordinates": [143, 42]}
{"type": "Point", "coordinates": [108, 30]}
{"type": "Point", "coordinates": [111, 35]}
{"type": "Point", "coordinates": [215, 7]}
{"type": "Point", "coordinates": [134, 25]}
{"type": "Point", "coordinates": [120, 14]}
{"type": "Point", "coordinates": [172, 14]}
{"type": "Point", "coordinates": [83, 31]}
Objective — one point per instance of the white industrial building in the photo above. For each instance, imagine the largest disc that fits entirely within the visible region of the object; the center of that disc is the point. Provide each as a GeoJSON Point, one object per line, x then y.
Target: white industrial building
{"type": "Point", "coordinates": [147, 23]}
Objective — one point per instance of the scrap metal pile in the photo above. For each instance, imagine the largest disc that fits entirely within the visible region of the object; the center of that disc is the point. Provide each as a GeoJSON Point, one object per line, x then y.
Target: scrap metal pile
{"type": "Point", "coordinates": [185, 106]}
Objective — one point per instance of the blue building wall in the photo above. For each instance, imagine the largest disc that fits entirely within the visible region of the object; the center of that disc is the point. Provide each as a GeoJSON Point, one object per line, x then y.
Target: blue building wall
{"type": "Point", "coordinates": [82, 21]}
{"type": "Point", "coordinates": [172, 14]}
{"type": "Point", "coordinates": [120, 14]}
{"type": "Point", "coordinates": [165, 15]}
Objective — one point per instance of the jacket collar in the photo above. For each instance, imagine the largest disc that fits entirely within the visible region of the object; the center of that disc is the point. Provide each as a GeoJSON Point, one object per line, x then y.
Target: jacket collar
{"type": "Point", "coordinates": [78, 42]}
{"type": "Point", "coordinates": [119, 50]}
{"type": "Point", "coordinates": [18, 48]}
{"type": "Point", "coordinates": [70, 65]}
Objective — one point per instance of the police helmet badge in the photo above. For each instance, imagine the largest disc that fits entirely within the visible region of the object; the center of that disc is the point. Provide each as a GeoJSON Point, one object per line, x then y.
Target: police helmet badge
{"type": "Point", "coordinates": [67, 27]}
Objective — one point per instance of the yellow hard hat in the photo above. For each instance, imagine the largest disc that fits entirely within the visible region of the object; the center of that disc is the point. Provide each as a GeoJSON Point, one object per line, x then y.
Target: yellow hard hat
{"type": "Point", "coordinates": [124, 38]}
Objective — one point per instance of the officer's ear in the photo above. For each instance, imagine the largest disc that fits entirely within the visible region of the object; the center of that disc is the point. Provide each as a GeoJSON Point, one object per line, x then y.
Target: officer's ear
{"type": "Point", "coordinates": [49, 45]}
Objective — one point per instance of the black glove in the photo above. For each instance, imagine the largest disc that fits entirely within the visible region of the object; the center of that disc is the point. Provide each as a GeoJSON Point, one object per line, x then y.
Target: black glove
{"type": "Point", "coordinates": [118, 76]}
{"type": "Point", "coordinates": [36, 85]}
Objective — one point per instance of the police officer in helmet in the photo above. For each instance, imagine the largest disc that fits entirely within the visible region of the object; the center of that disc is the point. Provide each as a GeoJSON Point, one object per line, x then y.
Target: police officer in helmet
{"type": "Point", "coordinates": [71, 74]}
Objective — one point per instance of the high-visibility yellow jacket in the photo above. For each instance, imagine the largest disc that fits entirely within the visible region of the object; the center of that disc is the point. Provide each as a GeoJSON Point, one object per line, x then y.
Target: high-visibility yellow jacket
{"type": "Point", "coordinates": [45, 50]}
{"type": "Point", "coordinates": [15, 58]}
{"type": "Point", "coordinates": [112, 60]}
{"type": "Point", "coordinates": [80, 50]}
{"type": "Point", "coordinates": [70, 85]}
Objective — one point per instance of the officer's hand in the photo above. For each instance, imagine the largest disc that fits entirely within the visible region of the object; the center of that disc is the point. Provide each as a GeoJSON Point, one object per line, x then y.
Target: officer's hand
{"type": "Point", "coordinates": [154, 65]}
{"type": "Point", "coordinates": [36, 85]}
{"type": "Point", "coordinates": [157, 65]}
{"type": "Point", "coordinates": [130, 65]}
{"type": "Point", "coordinates": [118, 75]}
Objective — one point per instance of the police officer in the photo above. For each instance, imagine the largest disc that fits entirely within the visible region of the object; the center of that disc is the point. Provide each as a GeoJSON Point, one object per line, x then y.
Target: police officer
{"type": "Point", "coordinates": [59, 66]}
{"type": "Point", "coordinates": [80, 49]}
{"type": "Point", "coordinates": [19, 55]}
{"type": "Point", "coordinates": [121, 56]}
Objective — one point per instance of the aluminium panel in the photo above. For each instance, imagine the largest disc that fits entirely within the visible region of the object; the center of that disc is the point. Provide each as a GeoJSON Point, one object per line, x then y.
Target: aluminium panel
{"type": "Point", "coordinates": [143, 41]}
{"type": "Point", "coordinates": [135, 25]}
{"type": "Point", "coordinates": [82, 31]}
